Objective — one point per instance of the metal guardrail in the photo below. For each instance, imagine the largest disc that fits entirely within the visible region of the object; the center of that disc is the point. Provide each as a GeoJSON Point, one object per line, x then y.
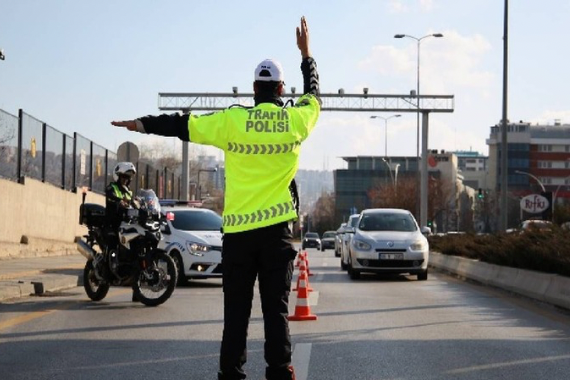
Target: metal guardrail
{"type": "Point", "coordinates": [31, 148]}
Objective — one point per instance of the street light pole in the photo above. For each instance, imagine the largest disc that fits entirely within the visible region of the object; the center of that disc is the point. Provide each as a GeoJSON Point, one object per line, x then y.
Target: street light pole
{"type": "Point", "coordinates": [211, 170]}
{"type": "Point", "coordinates": [419, 40]}
{"type": "Point", "coordinates": [558, 188]}
{"type": "Point", "coordinates": [394, 178]}
{"type": "Point", "coordinates": [385, 130]}
{"type": "Point", "coordinates": [534, 177]}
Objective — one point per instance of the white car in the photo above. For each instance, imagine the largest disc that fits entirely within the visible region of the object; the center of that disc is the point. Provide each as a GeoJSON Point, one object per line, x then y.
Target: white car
{"type": "Point", "coordinates": [388, 241]}
{"type": "Point", "coordinates": [348, 231]}
{"type": "Point", "coordinates": [194, 241]}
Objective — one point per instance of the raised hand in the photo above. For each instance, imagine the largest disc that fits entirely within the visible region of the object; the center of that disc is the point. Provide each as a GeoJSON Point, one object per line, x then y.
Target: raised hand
{"type": "Point", "coordinates": [303, 38]}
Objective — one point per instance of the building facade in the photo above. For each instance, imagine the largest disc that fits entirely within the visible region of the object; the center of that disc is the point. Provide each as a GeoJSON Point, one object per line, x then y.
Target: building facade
{"type": "Point", "coordinates": [538, 156]}
{"type": "Point", "coordinates": [352, 185]}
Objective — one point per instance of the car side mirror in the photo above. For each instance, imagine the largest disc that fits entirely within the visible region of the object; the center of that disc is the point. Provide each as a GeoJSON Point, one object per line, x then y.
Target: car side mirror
{"type": "Point", "coordinates": [351, 229]}
{"type": "Point", "coordinates": [426, 230]}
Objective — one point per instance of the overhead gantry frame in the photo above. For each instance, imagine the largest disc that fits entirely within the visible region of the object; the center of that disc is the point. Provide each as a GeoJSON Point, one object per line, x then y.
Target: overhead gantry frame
{"type": "Point", "coordinates": [341, 102]}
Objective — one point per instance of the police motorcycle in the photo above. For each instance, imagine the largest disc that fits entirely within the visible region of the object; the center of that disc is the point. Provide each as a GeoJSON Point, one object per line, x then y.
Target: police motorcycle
{"type": "Point", "coordinates": [135, 261]}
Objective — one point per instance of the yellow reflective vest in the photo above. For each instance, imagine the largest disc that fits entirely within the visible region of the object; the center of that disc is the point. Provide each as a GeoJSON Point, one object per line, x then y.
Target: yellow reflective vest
{"type": "Point", "coordinates": [119, 192]}
{"type": "Point", "coordinates": [261, 146]}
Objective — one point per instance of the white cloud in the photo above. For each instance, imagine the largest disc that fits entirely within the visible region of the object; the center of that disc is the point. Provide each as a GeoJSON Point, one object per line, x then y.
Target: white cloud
{"type": "Point", "coordinates": [426, 5]}
{"type": "Point", "coordinates": [403, 6]}
{"type": "Point", "coordinates": [445, 63]}
{"type": "Point", "coordinates": [397, 6]}
{"type": "Point", "coordinates": [549, 116]}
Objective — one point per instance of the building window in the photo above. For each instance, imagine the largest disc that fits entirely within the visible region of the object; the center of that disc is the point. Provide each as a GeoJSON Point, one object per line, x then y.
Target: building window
{"type": "Point", "coordinates": [545, 148]}
{"type": "Point", "coordinates": [545, 164]}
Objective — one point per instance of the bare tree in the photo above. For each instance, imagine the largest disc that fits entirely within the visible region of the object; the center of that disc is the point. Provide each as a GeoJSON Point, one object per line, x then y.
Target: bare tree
{"type": "Point", "coordinates": [161, 155]}
{"type": "Point", "coordinates": [323, 214]}
{"type": "Point", "coordinates": [397, 195]}
{"type": "Point", "coordinates": [403, 194]}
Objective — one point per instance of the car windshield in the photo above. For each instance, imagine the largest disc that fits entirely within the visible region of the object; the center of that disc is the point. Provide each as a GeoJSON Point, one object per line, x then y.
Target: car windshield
{"type": "Point", "coordinates": [312, 235]}
{"type": "Point", "coordinates": [387, 222]}
{"type": "Point", "coordinates": [193, 220]}
{"type": "Point", "coordinates": [354, 221]}
{"type": "Point", "coordinates": [329, 235]}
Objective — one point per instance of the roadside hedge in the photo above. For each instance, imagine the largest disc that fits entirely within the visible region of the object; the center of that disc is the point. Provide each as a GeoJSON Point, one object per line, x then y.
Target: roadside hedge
{"type": "Point", "coordinates": [542, 251]}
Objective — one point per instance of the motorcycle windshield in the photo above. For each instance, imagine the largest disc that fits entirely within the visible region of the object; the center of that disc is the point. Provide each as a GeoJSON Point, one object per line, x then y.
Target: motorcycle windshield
{"type": "Point", "coordinates": [150, 200]}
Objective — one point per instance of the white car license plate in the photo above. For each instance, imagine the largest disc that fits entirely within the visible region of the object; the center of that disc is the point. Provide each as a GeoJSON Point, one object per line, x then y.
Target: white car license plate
{"type": "Point", "coordinates": [391, 256]}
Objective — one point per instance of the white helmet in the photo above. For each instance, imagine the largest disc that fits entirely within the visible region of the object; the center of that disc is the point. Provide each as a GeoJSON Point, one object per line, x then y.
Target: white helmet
{"type": "Point", "coordinates": [124, 169]}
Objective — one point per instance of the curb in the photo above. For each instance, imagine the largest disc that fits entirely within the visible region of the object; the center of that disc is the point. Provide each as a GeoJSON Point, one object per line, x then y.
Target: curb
{"type": "Point", "coordinates": [545, 287]}
{"type": "Point", "coordinates": [37, 285]}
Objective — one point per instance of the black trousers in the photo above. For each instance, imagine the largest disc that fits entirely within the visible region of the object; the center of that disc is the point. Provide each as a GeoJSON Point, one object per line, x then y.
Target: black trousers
{"type": "Point", "coordinates": [268, 254]}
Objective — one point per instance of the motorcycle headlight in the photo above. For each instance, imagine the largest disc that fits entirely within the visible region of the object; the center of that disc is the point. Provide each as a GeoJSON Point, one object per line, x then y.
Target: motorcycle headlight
{"type": "Point", "coordinates": [197, 249]}
{"type": "Point", "coordinates": [361, 245]}
{"type": "Point", "coordinates": [419, 245]}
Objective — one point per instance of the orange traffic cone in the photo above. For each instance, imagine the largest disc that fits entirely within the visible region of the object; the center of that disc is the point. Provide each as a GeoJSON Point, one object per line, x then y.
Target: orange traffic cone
{"type": "Point", "coordinates": [306, 257]}
{"type": "Point", "coordinates": [302, 308]}
{"type": "Point", "coordinates": [303, 277]}
{"type": "Point", "coordinates": [299, 258]}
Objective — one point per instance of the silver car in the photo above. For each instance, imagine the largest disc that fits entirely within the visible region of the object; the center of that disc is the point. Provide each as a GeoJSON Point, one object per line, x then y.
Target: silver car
{"type": "Point", "coordinates": [348, 231]}
{"type": "Point", "coordinates": [388, 241]}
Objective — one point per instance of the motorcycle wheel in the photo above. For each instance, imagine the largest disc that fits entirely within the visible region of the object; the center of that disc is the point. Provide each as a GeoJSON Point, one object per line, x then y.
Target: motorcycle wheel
{"type": "Point", "coordinates": [158, 288]}
{"type": "Point", "coordinates": [95, 289]}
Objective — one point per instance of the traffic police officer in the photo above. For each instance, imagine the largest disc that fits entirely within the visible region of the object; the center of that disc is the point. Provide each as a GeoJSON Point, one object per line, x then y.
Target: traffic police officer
{"type": "Point", "coordinates": [261, 146]}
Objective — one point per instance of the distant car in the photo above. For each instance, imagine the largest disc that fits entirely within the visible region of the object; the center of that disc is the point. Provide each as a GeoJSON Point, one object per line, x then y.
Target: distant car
{"type": "Point", "coordinates": [311, 240]}
{"type": "Point", "coordinates": [194, 241]}
{"type": "Point", "coordinates": [327, 240]}
{"type": "Point", "coordinates": [348, 231]}
{"type": "Point", "coordinates": [338, 240]}
{"type": "Point", "coordinates": [531, 225]}
{"type": "Point", "coordinates": [536, 224]}
{"type": "Point", "coordinates": [388, 241]}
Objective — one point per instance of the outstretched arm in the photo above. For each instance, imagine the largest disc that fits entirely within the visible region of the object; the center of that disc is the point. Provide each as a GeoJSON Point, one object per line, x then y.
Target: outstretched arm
{"type": "Point", "coordinates": [164, 125]}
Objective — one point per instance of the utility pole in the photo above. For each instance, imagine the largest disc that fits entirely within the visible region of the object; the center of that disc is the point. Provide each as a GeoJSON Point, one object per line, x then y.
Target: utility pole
{"type": "Point", "coordinates": [504, 125]}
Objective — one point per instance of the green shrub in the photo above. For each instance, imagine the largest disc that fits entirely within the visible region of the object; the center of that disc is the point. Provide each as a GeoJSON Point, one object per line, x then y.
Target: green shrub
{"type": "Point", "coordinates": [543, 251]}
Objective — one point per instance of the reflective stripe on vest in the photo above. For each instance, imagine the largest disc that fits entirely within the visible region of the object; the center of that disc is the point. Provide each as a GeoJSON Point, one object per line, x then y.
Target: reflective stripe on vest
{"type": "Point", "coordinates": [259, 215]}
{"type": "Point", "coordinates": [262, 148]}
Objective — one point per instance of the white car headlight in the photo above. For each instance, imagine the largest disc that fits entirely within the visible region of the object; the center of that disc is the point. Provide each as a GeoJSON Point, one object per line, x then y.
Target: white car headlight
{"type": "Point", "coordinates": [419, 245]}
{"type": "Point", "coordinates": [197, 249]}
{"type": "Point", "coordinates": [361, 245]}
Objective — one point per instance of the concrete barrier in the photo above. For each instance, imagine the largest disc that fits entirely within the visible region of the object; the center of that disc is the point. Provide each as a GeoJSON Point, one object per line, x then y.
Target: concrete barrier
{"type": "Point", "coordinates": [558, 291]}
{"type": "Point", "coordinates": [544, 287]}
{"type": "Point", "coordinates": [504, 278]}
{"type": "Point", "coordinates": [532, 284]}
{"type": "Point", "coordinates": [41, 219]}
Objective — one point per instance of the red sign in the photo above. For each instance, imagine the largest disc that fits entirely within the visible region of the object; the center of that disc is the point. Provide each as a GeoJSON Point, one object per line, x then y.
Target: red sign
{"type": "Point", "coordinates": [432, 161]}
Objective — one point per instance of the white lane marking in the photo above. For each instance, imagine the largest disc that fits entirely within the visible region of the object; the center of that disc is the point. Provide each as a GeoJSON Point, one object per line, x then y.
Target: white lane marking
{"type": "Point", "coordinates": [313, 298]}
{"type": "Point", "coordinates": [300, 360]}
{"type": "Point", "coordinates": [507, 364]}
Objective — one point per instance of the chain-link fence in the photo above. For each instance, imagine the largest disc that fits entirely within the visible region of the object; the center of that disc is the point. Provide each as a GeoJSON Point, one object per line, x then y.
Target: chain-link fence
{"type": "Point", "coordinates": [31, 148]}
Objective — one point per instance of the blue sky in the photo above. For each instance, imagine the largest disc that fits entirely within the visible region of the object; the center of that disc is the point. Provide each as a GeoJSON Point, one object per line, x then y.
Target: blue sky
{"type": "Point", "coordinates": [77, 65]}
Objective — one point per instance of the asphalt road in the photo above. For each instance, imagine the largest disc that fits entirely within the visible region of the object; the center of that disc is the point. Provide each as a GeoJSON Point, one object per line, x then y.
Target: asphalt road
{"type": "Point", "coordinates": [390, 327]}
